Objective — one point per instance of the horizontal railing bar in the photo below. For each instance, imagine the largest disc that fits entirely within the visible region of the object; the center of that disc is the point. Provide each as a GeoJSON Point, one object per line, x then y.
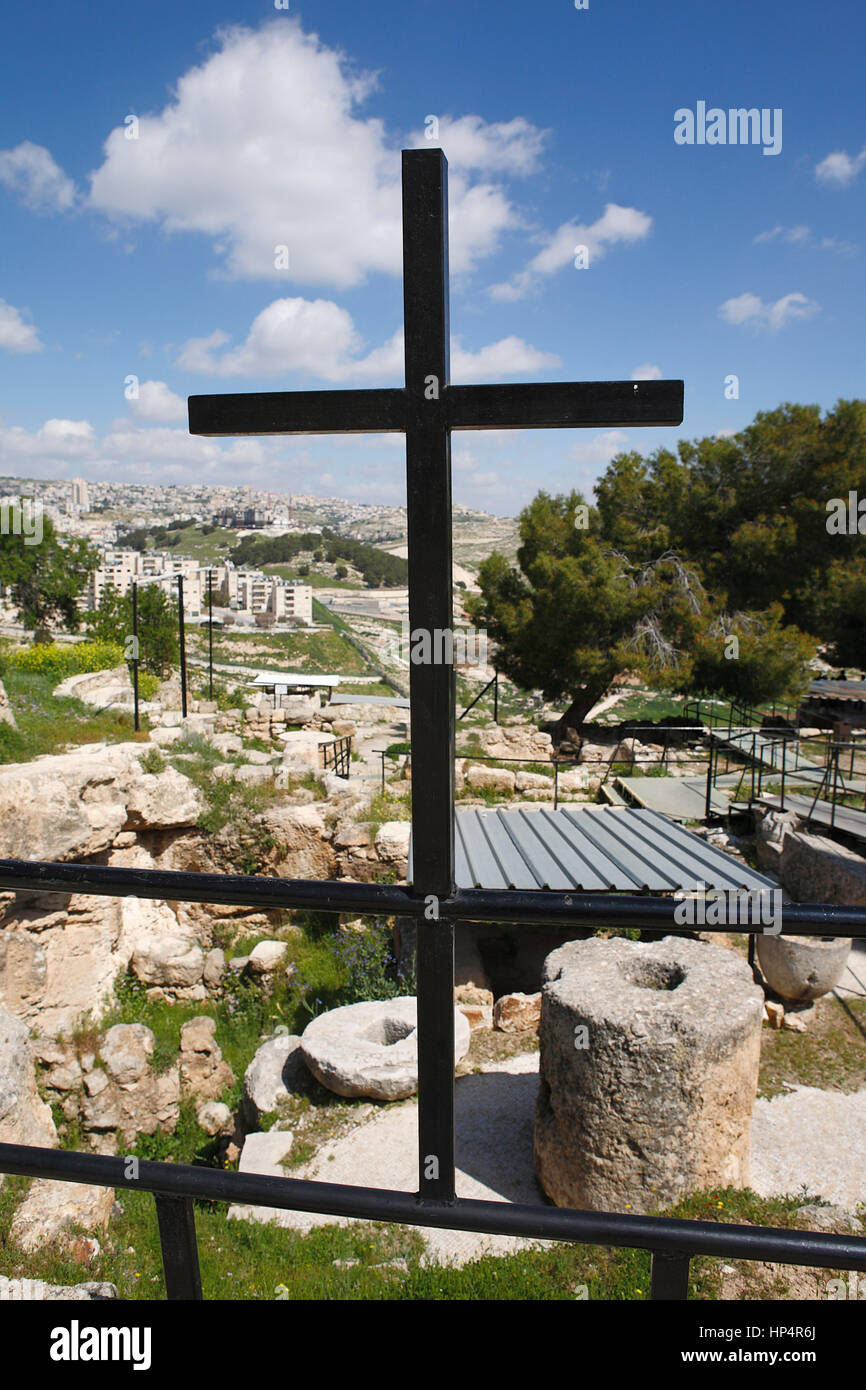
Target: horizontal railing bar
{"type": "Point", "coordinates": [668, 1235]}
{"type": "Point", "coordinates": [514, 906]}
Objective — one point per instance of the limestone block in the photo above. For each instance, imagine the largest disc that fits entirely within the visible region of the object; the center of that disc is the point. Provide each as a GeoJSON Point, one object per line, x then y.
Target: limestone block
{"type": "Point", "coordinates": [371, 1049]}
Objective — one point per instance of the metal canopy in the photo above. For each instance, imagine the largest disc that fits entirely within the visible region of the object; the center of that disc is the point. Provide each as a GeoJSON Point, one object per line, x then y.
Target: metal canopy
{"type": "Point", "coordinates": [269, 678]}
{"type": "Point", "coordinates": [593, 849]}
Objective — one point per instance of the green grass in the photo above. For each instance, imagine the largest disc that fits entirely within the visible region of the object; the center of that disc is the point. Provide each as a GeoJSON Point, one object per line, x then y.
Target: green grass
{"type": "Point", "coordinates": [387, 805]}
{"type": "Point", "coordinates": [368, 688]}
{"type": "Point", "coordinates": [47, 724]}
{"type": "Point", "coordinates": [316, 579]}
{"type": "Point", "coordinates": [831, 1055]}
{"type": "Point", "coordinates": [321, 614]}
{"type": "Point", "coordinates": [243, 1261]}
{"type": "Point", "coordinates": [643, 704]}
{"type": "Point", "coordinates": [319, 653]}
{"type": "Point", "coordinates": [211, 548]}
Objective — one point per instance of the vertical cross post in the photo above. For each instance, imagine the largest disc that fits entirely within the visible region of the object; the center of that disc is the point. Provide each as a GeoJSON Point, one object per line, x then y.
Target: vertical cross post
{"type": "Point", "coordinates": [135, 650]}
{"type": "Point", "coordinates": [182, 633]}
{"type": "Point", "coordinates": [210, 632]}
{"type": "Point", "coordinates": [428, 497]}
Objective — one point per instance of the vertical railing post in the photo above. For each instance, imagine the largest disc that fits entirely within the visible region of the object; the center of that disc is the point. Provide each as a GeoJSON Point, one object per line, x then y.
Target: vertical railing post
{"type": "Point", "coordinates": [176, 1219]}
{"type": "Point", "coordinates": [496, 698]}
{"type": "Point", "coordinates": [670, 1276]}
{"type": "Point", "coordinates": [428, 506]}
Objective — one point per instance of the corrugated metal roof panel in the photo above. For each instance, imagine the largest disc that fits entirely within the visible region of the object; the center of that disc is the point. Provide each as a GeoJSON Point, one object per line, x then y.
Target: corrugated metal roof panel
{"type": "Point", "coordinates": [593, 849]}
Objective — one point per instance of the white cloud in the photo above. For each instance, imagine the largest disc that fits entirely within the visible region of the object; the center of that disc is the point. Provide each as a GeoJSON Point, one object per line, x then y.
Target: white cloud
{"type": "Point", "coordinates": [600, 449]}
{"type": "Point", "coordinates": [63, 448]}
{"type": "Point", "coordinates": [805, 237]}
{"type": "Point", "coordinates": [751, 309]}
{"type": "Point", "coordinates": [54, 443]}
{"type": "Point", "coordinates": [647, 371]}
{"type": "Point", "coordinates": [469, 142]}
{"type": "Point", "coordinates": [264, 145]}
{"type": "Point", "coordinates": [156, 402]}
{"type": "Point", "coordinates": [318, 338]}
{"type": "Point", "coordinates": [15, 334]}
{"type": "Point", "coordinates": [769, 235]}
{"type": "Point", "coordinates": [840, 168]}
{"type": "Point", "coordinates": [616, 224]}
{"type": "Point", "coordinates": [30, 172]}
{"type": "Point", "coordinates": [508, 357]}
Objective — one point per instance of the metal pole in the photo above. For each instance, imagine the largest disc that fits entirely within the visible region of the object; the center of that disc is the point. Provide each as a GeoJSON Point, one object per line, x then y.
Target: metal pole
{"type": "Point", "coordinates": [176, 1220]}
{"type": "Point", "coordinates": [135, 650]}
{"type": "Point", "coordinates": [670, 1276]}
{"type": "Point", "coordinates": [708, 799]}
{"type": "Point", "coordinates": [428, 506]}
{"type": "Point", "coordinates": [182, 644]}
{"type": "Point", "coordinates": [496, 698]}
{"type": "Point", "coordinates": [210, 634]}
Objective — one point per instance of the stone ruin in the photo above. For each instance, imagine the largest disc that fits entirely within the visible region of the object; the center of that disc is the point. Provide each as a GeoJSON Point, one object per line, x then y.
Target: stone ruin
{"type": "Point", "coordinates": [649, 1071]}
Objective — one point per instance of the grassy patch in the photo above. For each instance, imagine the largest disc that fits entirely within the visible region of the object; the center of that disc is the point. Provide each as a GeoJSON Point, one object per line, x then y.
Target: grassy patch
{"type": "Point", "coordinates": [317, 579]}
{"type": "Point", "coordinates": [47, 724]}
{"type": "Point", "coordinates": [831, 1055]}
{"type": "Point", "coordinates": [319, 653]}
{"type": "Point", "coordinates": [386, 806]}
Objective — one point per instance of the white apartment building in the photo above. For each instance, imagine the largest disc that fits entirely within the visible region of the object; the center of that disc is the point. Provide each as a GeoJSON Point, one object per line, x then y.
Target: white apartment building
{"type": "Point", "coordinates": [247, 591]}
{"type": "Point", "coordinates": [251, 591]}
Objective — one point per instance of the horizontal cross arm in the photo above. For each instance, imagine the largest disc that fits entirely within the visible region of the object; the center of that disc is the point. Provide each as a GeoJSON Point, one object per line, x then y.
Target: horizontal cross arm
{"type": "Point", "coordinates": [299, 412]}
{"type": "Point", "coordinates": [564, 404]}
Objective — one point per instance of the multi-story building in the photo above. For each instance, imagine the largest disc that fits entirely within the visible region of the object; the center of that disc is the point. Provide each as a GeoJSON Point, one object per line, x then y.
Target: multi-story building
{"type": "Point", "coordinates": [80, 495]}
{"type": "Point", "coordinates": [245, 590]}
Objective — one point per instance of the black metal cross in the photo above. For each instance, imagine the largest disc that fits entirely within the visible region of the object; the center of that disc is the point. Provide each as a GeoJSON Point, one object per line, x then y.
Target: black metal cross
{"type": "Point", "coordinates": [426, 410]}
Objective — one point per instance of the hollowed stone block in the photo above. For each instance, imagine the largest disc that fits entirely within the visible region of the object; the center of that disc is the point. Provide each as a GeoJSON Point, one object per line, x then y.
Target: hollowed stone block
{"type": "Point", "coordinates": [649, 1070]}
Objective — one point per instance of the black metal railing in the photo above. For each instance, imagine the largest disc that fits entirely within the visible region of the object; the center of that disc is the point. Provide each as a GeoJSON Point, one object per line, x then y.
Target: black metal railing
{"type": "Point", "coordinates": [494, 682]}
{"type": "Point", "coordinates": [738, 714]}
{"type": "Point", "coordinates": [671, 1241]}
{"type": "Point", "coordinates": [337, 756]}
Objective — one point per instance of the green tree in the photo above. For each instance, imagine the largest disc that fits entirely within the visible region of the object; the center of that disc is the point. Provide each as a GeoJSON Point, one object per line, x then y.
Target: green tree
{"type": "Point", "coordinates": [751, 511]}
{"type": "Point", "coordinates": [45, 577]}
{"type": "Point", "coordinates": [581, 609]}
{"type": "Point", "coordinates": [751, 657]}
{"type": "Point", "coordinates": [158, 635]}
{"type": "Point", "coordinates": [577, 611]}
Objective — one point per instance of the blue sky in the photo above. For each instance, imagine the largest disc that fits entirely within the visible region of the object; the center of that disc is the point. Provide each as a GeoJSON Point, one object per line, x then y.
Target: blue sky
{"type": "Point", "coordinates": [154, 257]}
